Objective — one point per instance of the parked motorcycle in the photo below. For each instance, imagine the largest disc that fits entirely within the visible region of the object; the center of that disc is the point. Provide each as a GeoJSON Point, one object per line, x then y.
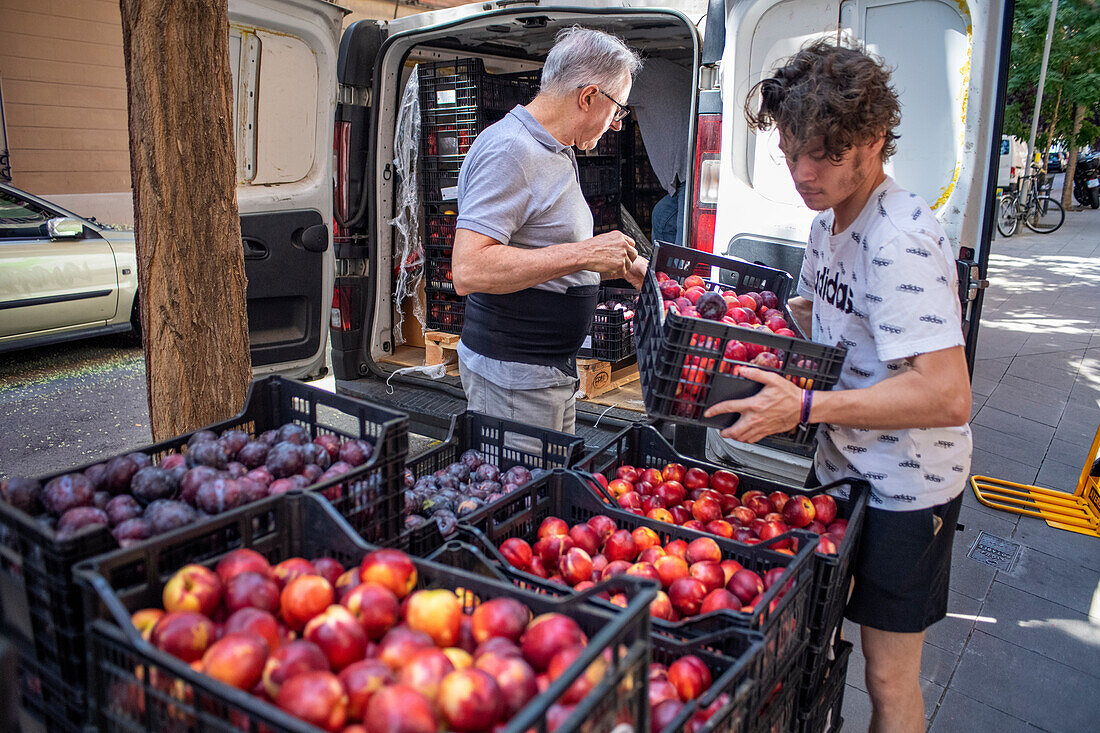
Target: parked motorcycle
{"type": "Point", "coordinates": [1086, 180]}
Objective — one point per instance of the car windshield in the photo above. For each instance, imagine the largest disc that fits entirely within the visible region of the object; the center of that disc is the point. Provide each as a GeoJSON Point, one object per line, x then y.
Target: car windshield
{"type": "Point", "coordinates": [20, 219]}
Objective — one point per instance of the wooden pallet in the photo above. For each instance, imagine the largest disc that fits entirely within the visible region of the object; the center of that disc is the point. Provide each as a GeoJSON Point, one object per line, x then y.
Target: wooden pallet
{"type": "Point", "coordinates": [440, 347]}
{"type": "Point", "coordinates": [597, 377]}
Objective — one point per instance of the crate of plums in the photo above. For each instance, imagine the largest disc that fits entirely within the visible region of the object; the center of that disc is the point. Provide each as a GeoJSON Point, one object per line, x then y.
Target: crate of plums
{"type": "Point", "coordinates": [483, 459]}
{"type": "Point", "coordinates": [289, 437]}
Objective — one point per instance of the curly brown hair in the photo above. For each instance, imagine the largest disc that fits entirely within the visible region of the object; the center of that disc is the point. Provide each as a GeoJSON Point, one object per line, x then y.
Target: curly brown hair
{"type": "Point", "coordinates": [842, 94]}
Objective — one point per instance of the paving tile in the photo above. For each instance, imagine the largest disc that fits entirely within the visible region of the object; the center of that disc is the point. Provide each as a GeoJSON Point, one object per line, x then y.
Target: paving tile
{"type": "Point", "coordinates": [1060, 581]}
{"type": "Point", "coordinates": [969, 577]}
{"type": "Point", "coordinates": [951, 633]}
{"type": "Point", "coordinates": [1037, 534]}
{"type": "Point", "coordinates": [992, 368]}
{"type": "Point", "coordinates": [1056, 475]}
{"type": "Point", "coordinates": [1071, 452]}
{"type": "Point", "coordinates": [1073, 340]}
{"type": "Point", "coordinates": [996, 343]}
{"type": "Point", "coordinates": [932, 694]}
{"type": "Point", "coordinates": [860, 702]}
{"type": "Point", "coordinates": [1014, 424]}
{"type": "Point", "coordinates": [958, 712]}
{"type": "Point", "coordinates": [984, 463]}
{"type": "Point", "coordinates": [1053, 371]}
{"type": "Point", "coordinates": [1026, 685]}
{"type": "Point", "coordinates": [1040, 408]}
{"type": "Point", "coordinates": [977, 402]}
{"type": "Point", "coordinates": [983, 386]}
{"type": "Point", "coordinates": [1006, 445]}
{"type": "Point", "coordinates": [937, 665]}
{"type": "Point", "coordinates": [856, 709]}
{"type": "Point", "coordinates": [1034, 623]}
{"type": "Point", "coordinates": [1085, 392]}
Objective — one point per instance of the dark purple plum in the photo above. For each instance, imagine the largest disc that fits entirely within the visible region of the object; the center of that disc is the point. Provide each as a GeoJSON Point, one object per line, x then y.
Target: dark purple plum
{"type": "Point", "coordinates": [336, 470]}
{"type": "Point", "coordinates": [121, 508]}
{"type": "Point", "coordinates": [219, 495]}
{"type": "Point", "coordinates": [459, 471]}
{"type": "Point", "coordinates": [268, 437]}
{"type": "Point", "coordinates": [22, 493]}
{"type": "Point", "coordinates": [293, 433]}
{"type": "Point", "coordinates": [67, 492]}
{"type": "Point", "coordinates": [468, 506]}
{"type": "Point", "coordinates": [486, 472]}
{"type": "Point", "coordinates": [165, 515]}
{"type": "Point", "coordinates": [330, 443]}
{"type": "Point", "coordinates": [97, 475]}
{"type": "Point", "coordinates": [408, 478]}
{"type": "Point", "coordinates": [260, 475]}
{"type": "Point", "coordinates": [235, 469]}
{"type": "Point", "coordinates": [356, 452]}
{"type": "Point", "coordinates": [318, 455]}
{"type": "Point", "coordinates": [120, 470]}
{"type": "Point", "coordinates": [412, 501]}
{"type": "Point", "coordinates": [80, 517]}
{"type": "Point", "coordinates": [711, 306]}
{"type": "Point", "coordinates": [285, 459]}
{"type": "Point", "coordinates": [207, 453]}
{"type": "Point", "coordinates": [414, 520]}
{"type": "Point", "coordinates": [193, 479]}
{"type": "Point", "coordinates": [509, 488]}
{"type": "Point", "coordinates": [516, 475]}
{"type": "Point", "coordinates": [233, 441]}
{"type": "Point", "coordinates": [101, 499]}
{"type": "Point", "coordinates": [173, 460]}
{"type": "Point", "coordinates": [141, 459]}
{"type": "Point", "coordinates": [489, 487]}
{"type": "Point", "coordinates": [311, 472]}
{"type": "Point", "coordinates": [151, 483]}
{"type": "Point", "coordinates": [427, 483]}
{"type": "Point", "coordinates": [201, 436]}
{"type": "Point", "coordinates": [132, 531]}
{"type": "Point", "coordinates": [471, 458]}
{"type": "Point", "coordinates": [252, 490]}
{"type": "Point", "coordinates": [770, 299]}
{"type": "Point", "coordinates": [447, 523]}
{"type": "Point", "coordinates": [253, 454]}
{"type": "Point", "coordinates": [283, 485]}
{"type": "Point", "coordinates": [447, 481]}
{"type": "Point", "coordinates": [493, 497]}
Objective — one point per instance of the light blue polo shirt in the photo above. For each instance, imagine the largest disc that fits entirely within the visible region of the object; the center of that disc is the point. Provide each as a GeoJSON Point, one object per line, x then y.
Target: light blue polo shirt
{"type": "Point", "coordinates": [520, 186]}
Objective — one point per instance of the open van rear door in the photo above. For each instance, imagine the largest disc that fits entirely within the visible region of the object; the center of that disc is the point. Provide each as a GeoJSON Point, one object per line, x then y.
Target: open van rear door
{"type": "Point", "coordinates": [283, 57]}
{"type": "Point", "coordinates": [948, 68]}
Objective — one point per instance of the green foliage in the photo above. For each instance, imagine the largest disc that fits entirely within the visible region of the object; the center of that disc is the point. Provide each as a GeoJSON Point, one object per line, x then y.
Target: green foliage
{"type": "Point", "coordinates": [1073, 70]}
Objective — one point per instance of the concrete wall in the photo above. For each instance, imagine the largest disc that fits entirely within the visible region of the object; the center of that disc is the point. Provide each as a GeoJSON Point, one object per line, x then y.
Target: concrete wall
{"type": "Point", "coordinates": [63, 82]}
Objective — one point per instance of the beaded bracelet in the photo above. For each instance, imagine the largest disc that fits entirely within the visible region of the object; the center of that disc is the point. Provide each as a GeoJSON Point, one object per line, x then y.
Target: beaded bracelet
{"type": "Point", "coordinates": [807, 402]}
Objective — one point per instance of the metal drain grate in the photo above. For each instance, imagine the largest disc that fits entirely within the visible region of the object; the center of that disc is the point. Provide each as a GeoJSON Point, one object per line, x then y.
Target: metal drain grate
{"type": "Point", "coordinates": [994, 551]}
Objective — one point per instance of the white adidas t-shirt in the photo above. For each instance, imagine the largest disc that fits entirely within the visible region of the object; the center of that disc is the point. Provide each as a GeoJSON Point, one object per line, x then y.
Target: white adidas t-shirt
{"type": "Point", "coordinates": [887, 289]}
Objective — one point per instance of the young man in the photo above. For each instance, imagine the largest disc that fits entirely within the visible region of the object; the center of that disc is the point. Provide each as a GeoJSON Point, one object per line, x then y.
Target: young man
{"type": "Point", "coordinates": [524, 250]}
{"type": "Point", "coordinates": [879, 278]}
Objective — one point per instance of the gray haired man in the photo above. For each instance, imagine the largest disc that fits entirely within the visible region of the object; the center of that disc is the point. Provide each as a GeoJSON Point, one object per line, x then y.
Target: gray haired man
{"type": "Point", "coordinates": [524, 250]}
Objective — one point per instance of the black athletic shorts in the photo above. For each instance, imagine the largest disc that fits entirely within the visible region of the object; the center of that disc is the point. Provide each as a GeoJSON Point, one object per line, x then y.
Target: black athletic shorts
{"type": "Point", "coordinates": [902, 567]}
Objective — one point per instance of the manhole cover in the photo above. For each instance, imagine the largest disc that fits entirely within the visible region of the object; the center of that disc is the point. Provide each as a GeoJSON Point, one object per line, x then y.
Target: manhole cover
{"type": "Point", "coordinates": [997, 552]}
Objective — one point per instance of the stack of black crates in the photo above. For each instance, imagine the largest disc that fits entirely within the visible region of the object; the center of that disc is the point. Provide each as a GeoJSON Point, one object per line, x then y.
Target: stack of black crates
{"type": "Point", "coordinates": [599, 171]}
{"type": "Point", "coordinates": [458, 99]}
{"type": "Point", "coordinates": [644, 190]}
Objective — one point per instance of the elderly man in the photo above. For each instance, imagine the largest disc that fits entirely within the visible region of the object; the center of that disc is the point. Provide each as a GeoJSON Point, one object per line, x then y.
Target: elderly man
{"type": "Point", "coordinates": [524, 250]}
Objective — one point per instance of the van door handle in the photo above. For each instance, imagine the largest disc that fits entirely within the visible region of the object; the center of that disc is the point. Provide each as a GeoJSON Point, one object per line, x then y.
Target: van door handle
{"type": "Point", "coordinates": [254, 249]}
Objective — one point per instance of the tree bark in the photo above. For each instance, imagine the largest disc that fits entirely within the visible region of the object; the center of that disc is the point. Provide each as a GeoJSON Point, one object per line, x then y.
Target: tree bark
{"type": "Point", "coordinates": [1071, 161]}
{"type": "Point", "coordinates": [190, 261]}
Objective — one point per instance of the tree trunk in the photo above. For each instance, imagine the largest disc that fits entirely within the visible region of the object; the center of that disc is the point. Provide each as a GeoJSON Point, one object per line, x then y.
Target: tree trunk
{"type": "Point", "coordinates": [1071, 162]}
{"type": "Point", "coordinates": [190, 260]}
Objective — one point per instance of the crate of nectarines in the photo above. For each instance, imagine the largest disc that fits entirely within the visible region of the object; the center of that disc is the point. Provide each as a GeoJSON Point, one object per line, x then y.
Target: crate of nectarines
{"type": "Point", "coordinates": [483, 460]}
{"type": "Point", "coordinates": [639, 471]}
{"type": "Point", "coordinates": [556, 532]}
{"type": "Point", "coordinates": [289, 437]}
{"type": "Point", "coordinates": [306, 627]}
{"type": "Point", "coordinates": [695, 335]}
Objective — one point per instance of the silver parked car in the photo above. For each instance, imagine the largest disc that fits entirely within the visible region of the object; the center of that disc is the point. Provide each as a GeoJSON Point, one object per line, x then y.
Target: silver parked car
{"type": "Point", "coordinates": [62, 276]}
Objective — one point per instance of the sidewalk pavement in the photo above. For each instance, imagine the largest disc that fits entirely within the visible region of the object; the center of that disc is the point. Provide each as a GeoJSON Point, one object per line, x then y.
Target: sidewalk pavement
{"type": "Point", "coordinates": [1020, 648]}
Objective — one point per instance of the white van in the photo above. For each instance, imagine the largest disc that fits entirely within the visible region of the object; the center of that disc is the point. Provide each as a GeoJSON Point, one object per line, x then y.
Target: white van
{"type": "Point", "coordinates": [1013, 161]}
{"type": "Point", "coordinates": [317, 115]}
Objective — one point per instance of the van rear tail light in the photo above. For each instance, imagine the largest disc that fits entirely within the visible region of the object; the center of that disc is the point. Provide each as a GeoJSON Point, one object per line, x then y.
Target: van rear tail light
{"type": "Point", "coordinates": [704, 209]}
{"type": "Point", "coordinates": [343, 316]}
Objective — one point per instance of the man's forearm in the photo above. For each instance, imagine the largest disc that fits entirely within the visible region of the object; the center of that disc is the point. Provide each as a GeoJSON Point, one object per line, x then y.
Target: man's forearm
{"type": "Point", "coordinates": [502, 269]}
{"type": "Point", "coordinates": [801, 310]}
{"type": "Point", "coordinates": [909, 400]}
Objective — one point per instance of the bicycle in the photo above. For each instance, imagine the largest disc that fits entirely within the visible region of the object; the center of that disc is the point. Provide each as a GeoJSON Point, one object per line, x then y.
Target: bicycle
{"type": "Point", "coordinates": [1032, 204]}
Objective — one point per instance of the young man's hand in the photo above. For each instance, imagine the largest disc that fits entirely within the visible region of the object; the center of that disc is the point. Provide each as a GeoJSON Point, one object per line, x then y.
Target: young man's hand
{"type": "Point", "coordinates": [636, 274]}
{"type": "Point", "coordinates": [774, 409]}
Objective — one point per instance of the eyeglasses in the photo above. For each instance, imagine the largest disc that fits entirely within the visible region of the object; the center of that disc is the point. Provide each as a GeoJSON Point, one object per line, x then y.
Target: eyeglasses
{"type": "Point", "coordinates": [621, 112]}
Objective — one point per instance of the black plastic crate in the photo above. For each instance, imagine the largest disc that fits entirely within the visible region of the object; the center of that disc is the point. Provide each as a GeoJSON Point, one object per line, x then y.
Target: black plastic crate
{"type": "Point", "coordinates": [43, 698]}
{"type": "Point", "coordinates": [40, 599]}
{"type": "Point", "coordinates": [644, 447]}
{"type": "Point", "coordinates": [776, 710]}
{"type": "Point", "coordinates": [731, 674]}
{"type": "Point", "coordinates": [682, 362]}
{"type": "Point", "coordinates": [446, 311]}
{"type": "Point", "coordinates": [439, 179]}
{"type": "Point", "coordinates": [169, 695]}
{"type": "Point", "coordinates": [451, 133]}
{"type": "Point", "coordinates": [611, 334]}
{"type": "Point", "coordinates": [824, 715]}
{"type": "Point", "coordinates": [504, 442]}
{"type": "Point", "coordinates": [598, 178]}
{"type": "Point", "coordinates": [567, 495]}
{"type": "Point", "coordinates": [439, 228]}
{"type": "Point", "coordinates": [605, 213]}
{"type": "Point", "coordinates": [463, 83]}
{"type": "Point", "coordinates": [437, 273]}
